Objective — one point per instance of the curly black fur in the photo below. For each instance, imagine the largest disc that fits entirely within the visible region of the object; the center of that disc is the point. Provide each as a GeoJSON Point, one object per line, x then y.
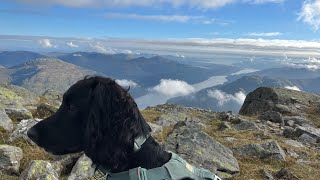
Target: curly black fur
{"type": "Point", "coordinates": [99, 117]}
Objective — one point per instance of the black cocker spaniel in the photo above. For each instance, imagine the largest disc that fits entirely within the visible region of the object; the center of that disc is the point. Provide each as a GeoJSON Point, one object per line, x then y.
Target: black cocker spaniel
{"type": "Point", "coordinates": [99, 117]}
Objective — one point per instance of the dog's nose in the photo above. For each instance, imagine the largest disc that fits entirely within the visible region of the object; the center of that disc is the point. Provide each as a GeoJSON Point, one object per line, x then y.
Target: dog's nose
{"type": "Point", "coordinates": [33, 134]}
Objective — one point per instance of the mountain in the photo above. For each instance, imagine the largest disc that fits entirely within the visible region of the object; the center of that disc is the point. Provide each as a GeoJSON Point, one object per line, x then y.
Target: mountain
{"type": "Point", "coordinates": [284, 73]}
{"type": "Point", "coordinates": [145, 71]}
{"type": "Point", "coordinates": [12, 58]}
{"type": "Point", "coordinates": [4, 75]}
{"type": "Point", "coordinates": [40, 75]}
{"type": "Point", "coordinates": [228, 96]}
{"type": "Point", "coordinates": [308, 85]}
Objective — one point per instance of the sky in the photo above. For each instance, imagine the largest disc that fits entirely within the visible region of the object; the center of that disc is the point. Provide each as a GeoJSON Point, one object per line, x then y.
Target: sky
{"type": "Point", "coordinates": [108, 26]}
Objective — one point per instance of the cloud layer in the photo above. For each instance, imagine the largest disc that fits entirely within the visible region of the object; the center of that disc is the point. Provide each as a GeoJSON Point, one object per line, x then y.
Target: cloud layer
{"type": "Point", "coordinates": [173, 88]}
{"type": "Point", "coordinates": [292, 88]}
{"type": "Point", "coordinates": [224, 98]}
{"type": "Point", "coordinates": [125, 83]}
{"type": "Point", "coordinates": [264, 34]}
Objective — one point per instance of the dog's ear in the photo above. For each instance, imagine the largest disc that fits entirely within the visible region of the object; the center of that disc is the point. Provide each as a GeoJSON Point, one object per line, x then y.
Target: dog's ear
{"type": "Point", "coordinates": [114, 121]}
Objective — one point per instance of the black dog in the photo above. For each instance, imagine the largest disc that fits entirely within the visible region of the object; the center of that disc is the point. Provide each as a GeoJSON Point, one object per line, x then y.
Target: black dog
{"type": "Point", "coordinates": [99, 117]}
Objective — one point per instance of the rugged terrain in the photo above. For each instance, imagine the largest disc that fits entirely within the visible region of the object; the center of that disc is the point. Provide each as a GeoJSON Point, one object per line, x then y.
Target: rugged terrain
{"type": "Point", "coordinates": [276, 136]}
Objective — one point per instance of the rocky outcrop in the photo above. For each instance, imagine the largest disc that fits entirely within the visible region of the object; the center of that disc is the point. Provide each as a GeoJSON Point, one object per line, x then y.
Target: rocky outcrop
{"type": "Point", "coordinates": [284, 101]}
{"type": "Point", "coordinates": [10, 157]}
{"type": "Point", "coordinates": [200, 149]}
{"type": "Point", "coordinates": [272, 116]}
{"type": "Point", "coordinates": [82, 169]}
{"type": "Point", "coordinates": [5, 121]}
{"type": "Point", "coordinates": [306, 134]}
{"type": "Point", "coordinates": [269, 150]}
{"type": "Point", "coordinates": [41, 170]}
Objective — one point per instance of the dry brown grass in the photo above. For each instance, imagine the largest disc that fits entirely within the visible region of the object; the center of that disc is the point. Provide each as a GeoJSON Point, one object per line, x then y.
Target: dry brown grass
{"type": "Point", "coordinates": [151, 115]}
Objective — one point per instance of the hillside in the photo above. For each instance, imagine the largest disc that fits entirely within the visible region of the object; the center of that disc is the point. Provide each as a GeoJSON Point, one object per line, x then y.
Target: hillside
{"type": "Point", "coordinates": [43, 74]}
{"type": "Point", "coordinates": [12, 58]}
{"type": "Point", "coordinates": [269, 144]}
{"type": "Point", "coordinates": [228, 96]}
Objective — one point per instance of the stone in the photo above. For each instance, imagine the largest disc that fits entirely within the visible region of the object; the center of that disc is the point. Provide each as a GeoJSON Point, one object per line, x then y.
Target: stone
{"type": "Point", "coordinates": [5, 121]}
{"type": "Point", "coordinates": [45, 110]}
{"type": "Point", "coordinates": [22, 128]}
{"type": "Point", "coordinates": [10, 157]}
{"type": "Point", "coordinates": [82, 169]}
{"type": "Point", "coordinates": [42, 170]}
{"type": "Point", "coordinates": [305, 138]}
{"type": "Point", "coordinates": [294, 143]}
{"type": "Point", "coordinates": [18, 114]}
{"type": "Point", "coordinates": [269, 150]}
{"type": "Point", "coordinates": [272, 116]}
{"type": "Point", "coordinates": [245, 125]}
{"type": "Point", "coordinates": [157, 130]}
{"type": "Point", "coordinates": [267, 175]}
{"type": "Point", "coordinates": [224, 126]}
{"type": "Point", "coordinates": [284, 173]}
{"type": "Point", "coordinates": [199, 149]}
{"type": "Point", "coordinates": [295, 120]}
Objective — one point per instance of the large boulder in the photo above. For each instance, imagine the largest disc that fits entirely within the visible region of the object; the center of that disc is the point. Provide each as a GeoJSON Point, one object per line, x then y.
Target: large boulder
{"type": "Point", "coordinates": [280, 100]}
{"type": "Point", "coordinates": [306, 134]}
{"type": "Point", "coordinates": [41, 170]}
{"type": "Point", "coordinates": [246, 125]}
{"type": "Point", "coordinates": [272, 116]}
{"type": "Point", "coordinates": [82, 169]}
{"type": "Point", "coordinates": [199, 149]}
{"type": "Point", "coordinates": [10, 157]}
{"type": "Point", "coordinates": [5, 121]}
{"type": "Point", "coordinates": [269, 150]}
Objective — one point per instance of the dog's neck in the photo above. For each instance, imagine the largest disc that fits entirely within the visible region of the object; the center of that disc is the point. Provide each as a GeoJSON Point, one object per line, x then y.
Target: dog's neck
{"type": "Point", "coordinates": [151, 155]}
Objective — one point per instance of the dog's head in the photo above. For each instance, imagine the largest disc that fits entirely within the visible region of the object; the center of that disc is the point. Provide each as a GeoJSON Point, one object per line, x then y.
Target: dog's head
{"type": "Point", "coordinates": [97, 116]}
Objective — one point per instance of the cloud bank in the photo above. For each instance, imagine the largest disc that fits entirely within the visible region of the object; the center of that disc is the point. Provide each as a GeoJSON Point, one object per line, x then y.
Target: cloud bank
{"type": "Point", "coordinates": [292, 88]}
{"type": "Point", "coordinates": [173, 88]}
{"type": "Point", "coordinates": [224, 98]}
{"type": "Point", "coordinates": [125, 83]}
{"type": "Point", "coordinates": [264, 34]}
{"type": "Point", "coordinates": [45, 43]}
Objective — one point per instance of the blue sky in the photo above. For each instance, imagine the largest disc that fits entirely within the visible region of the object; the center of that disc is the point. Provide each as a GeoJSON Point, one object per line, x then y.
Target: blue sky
{"type": "Point", "coordinates": [185, 27]}
{"type": "Point", "coordinates": [267, 19]}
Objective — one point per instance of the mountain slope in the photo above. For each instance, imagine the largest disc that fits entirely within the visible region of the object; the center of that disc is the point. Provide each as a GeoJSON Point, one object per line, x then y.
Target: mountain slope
{"type": "Point", "coordinates": [42, 74]}
{"type": "Point", "coordinates": [145, 71]}
{"type": "Point", "coordinates": [228, 96]}
{"type": "Point", "coordinates": [12, 58]}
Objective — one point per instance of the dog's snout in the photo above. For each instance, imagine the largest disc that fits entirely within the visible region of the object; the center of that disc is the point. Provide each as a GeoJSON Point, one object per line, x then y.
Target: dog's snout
{"type": "Point", "coordinates": [33, 134]}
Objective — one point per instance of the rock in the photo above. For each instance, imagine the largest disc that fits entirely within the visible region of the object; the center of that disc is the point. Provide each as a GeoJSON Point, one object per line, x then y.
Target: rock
{"type": "Point", "coordinates": [245, 125]}
{"type": "Point", "coordinates": [157, 130]}
{"type": "Point", "coordinates": [45, 110]}
{"type": "Point", "coordinates": [284, 173]}
{"type": "Point", "coordinates": [269, 150]}
{"type": "Point", "coordinates": [298, 120]}
{"type": "Point", "coordinates": [201, 150]}
{"type": "Point", "coordinates": [18, 114]}
{"type": "Point", "coordinates": [82, 169]}
{"type": "Point", "coordinates": [224, 126]}
{"type": "Point", "coordinates": [42, 170]}
{"type": "Point", "coordinates": [305, 138]}
{"type": "Point", "coordinates": [53, 97]}
{"type": "Point", "coordinates": [10, 157]}
{"type": "Point", "coordinates": [172, 118]}
{"type": "Point", "coordinates": [289, 132]}
{"type": "Point", "coordinates": [267, 175]}
{"type": "Point", "coordinates": [284, 101]}
{"type": "Point", "coordinates": [67, 161]}
{"type": "Point", "coordinates": [294, 143]}
{"type": "Point", "coordinates": [230, 117]}
{"type": "Point", "coordinates": [22, 128]}
{"type": "Point", "coordinates": [272, 116]}
{"type": "Point", "coordinates": [5, 121]}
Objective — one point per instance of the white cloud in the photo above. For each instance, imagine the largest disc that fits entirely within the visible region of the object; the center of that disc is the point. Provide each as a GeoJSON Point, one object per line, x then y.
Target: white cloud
{"type": "Point", "coordinates": [264, 1]}
{"type": "Point", "coordinates": [292, 88]}
{"type": "Point", "coordinates": [264, 34]}
{"type": "Point", "coordinates": [224, 98]}
{"type": "Point", "coordinates": [46, 43]}
{"type": "Point", "coordinates": [99, 47]}
{"type": "Point", "coordinates": [72, 45]}
{"type": "Point", "coordinates": [311, 64]}
{"type": "Point", "coordinates": [126, 83]}
{"type": "Point", "coordinates": [312, 60]}
{"type": "Point", "coordinates": [310, 13]}
{"type": "Point", "coordinates": [173, 88]}
{"type": "Point", "coordinates": [201, 4]}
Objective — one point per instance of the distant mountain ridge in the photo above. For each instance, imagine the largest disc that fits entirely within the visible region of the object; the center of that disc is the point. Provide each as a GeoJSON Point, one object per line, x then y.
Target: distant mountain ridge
{"type": "Point", "coordinates": [12, 58]}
